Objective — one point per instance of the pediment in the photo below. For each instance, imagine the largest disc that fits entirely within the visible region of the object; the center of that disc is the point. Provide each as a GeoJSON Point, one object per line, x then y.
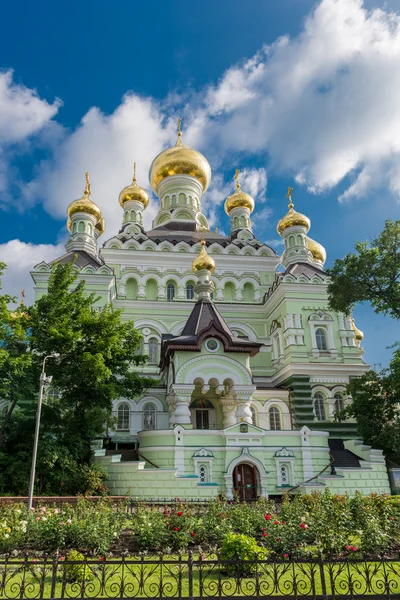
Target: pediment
{"type": "Point", "coordinates": [250, 429]}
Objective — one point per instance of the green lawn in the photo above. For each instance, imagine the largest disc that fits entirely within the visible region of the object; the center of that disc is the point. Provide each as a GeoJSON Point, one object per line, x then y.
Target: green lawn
{"type": "Point", "coordinates": [148, 577]}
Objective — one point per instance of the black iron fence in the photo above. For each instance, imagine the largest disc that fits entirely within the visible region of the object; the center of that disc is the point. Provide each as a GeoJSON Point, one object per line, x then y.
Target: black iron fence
{"type": "Point", "coordinates": [195, 576]}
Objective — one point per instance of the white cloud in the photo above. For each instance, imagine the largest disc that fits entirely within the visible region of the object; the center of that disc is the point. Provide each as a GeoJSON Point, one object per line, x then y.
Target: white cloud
{"type": "Point", "coordinates": [20, 258]}
{"type": "Point", "coordinates": [324, 104]}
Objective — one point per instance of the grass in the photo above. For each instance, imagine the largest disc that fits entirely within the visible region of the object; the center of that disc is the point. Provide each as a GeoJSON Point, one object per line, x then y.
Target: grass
{"type": "Point", "coordinates": [147, 577]}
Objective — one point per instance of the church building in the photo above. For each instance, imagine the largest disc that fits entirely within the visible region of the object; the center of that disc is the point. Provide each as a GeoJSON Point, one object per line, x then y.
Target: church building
{"type": "Point", "coordinates": [250, 365]}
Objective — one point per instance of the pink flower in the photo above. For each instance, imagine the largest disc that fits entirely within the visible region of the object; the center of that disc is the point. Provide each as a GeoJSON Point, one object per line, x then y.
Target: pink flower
{"type": "Point", "coordinates": [267, 517]}
{"type": "Point", "coordinates": [101, 558]}
{"type": "Point", "coordinates": [391, 518]}
{"type": "Point", "coordinates": [176, 528]}
{"type": "Point", "coordinates": [348, 547]}
{"type": "Point", "coordinates": [354, 548]}
{"type": "Point", "coordinates": [265, 534]}
{"type": "Point", "coordinates": [303, 525]}
{"type": "Point", "coordinates": [37, 519]}
{"type": "Point", "coordinates": [276, 522]}
{"type": "Point", "coordinates": [180, 513]}
{"type": "Point", "coordinates": [278, 539]}
{"type": "Point", "coordinates": [192, 533]}
{"type": "Point", "coordinates": [286, 556]}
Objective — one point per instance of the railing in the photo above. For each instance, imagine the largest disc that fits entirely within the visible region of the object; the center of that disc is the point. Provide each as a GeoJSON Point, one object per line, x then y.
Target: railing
{"type": "Point", "coordinates": [197, 577]}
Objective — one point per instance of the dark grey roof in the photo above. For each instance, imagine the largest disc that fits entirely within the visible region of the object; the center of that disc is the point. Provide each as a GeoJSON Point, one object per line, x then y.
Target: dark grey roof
{"type": "Point", "coordinates": [81, 259]}
{"type": "Point", "coordinates": [206, 321]}
{"type": "Point", "coordinates": [304, 269]}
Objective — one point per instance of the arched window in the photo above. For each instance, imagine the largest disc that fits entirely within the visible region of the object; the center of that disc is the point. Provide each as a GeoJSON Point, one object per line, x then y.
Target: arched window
{"type": "Point", "coordinates": [131, 289]}
{"type": "Point", "coordinates": [151, 289]}
{"type": "Point", "coordinates": [203, 474]}
{"type": "Point", "coordinates": [170, 291]}
{"type": "Point", "coordinates": [339, 402]}
{"type": "Point", "coordinates": [149, 416]}
{"type": "Point", "coordinates": [229, 292]}
{"type": "Point", "coordinates": [253, 415]}
{"type": "Point", "coordinates": [320, 338]}
{"type": "Point", "coordinates": [319, 407]}
{"type": "Point", "coordinates": [284, 473]}
{"type": "Point", "coordinates": [189, 291]}
{"type": "Point", "coordinates": [81, 227]}
{"type": "Point", "coordinates": [248, 292]}
{"type": "Point", "coordinates": [123, 417]}
{"type": "Point", "coordinates": [275, 419]}
{"type": "Point", "coordinates": [52, 395]}
{"type": "Point", "coordinates": [153, 351]}
{"type": "Point", "coordinates": [90, 229]}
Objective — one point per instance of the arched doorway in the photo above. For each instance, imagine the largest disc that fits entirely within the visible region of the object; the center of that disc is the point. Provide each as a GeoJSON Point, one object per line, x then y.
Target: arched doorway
{"type": "Point", "coordinates": [245, 482]}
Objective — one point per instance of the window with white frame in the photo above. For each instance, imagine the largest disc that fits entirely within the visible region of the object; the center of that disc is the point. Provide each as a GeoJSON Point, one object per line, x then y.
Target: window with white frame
{"type": "Point", "coordinates": [203, 473]}
{"type": "Point", "coordinates": [149, 416]}
{"type": "Point", "coordinates": [339, 402]}
{"type": "Point", "coordinates": [123, 417]}
{"type": "Point", "coordinates": [319, 406]}
{"type": "Point", "coordinates": [320, 338]}
{"type": "Point", "coordinates": [170, 292]}
{"type": "Point", "coordinates": [189, 291]}
{"type": "Point", "coordinates": [284, 474]}
{"type": "Point", "coordinates": [153, 351]}
{"type": "Point", "coordinates": [274, 419]}
{"type": "Point", "coordinates": [52, 395]}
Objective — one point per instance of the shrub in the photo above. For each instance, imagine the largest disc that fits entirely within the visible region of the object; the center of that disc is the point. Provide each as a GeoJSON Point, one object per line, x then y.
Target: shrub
{"type": "Point", "coordinates": [242, 550]}
{"type": "Point", "coordinates": [77, 572]}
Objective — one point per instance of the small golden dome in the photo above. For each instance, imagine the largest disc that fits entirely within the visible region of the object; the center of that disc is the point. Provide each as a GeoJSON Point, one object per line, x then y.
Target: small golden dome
{"type": "Point", "coordinates": [203, 261]}
{"type": "Point", "coordinates": [292, 217]}
{"type": "Point", "coordinates": [358, 334]}
{"type": "Point", "coordinates": [180, 160]}
{"type": "Point", "coordinates": [134, 192]}
{"type": "Point", "coordinates": [101, 226]}
{"type": "Point", "coordinates": [84, 204]}
{"type": "Point", "coordinates": [317, 250]}
{"type": "Point", "coordinates": [239, 198]}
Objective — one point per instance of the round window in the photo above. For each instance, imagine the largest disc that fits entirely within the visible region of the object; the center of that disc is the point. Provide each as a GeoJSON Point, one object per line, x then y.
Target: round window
{"type": "Point", "coordinates": [212, 345]}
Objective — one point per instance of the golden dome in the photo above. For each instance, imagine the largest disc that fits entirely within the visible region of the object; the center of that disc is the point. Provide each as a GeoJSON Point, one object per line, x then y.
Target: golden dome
{"type": "Point", "coordinates": [292, 217]}
{"type": "Point", "coordinates": [84, 204]}
{"type": "Point", "coordinates": [203, 261]}
{"type": "Point", "coordinates": [134, 192]}
{"type": "Point", "coordinates": [180, 160]}
{"type": "Point", "coordinates": [358, 334]}
{"type": "Point", "coordinates": [239, 198]}
{"type": "Point", "coordinates": [101, 226]}
{"type": "Point", "coordinates": [317, 250]}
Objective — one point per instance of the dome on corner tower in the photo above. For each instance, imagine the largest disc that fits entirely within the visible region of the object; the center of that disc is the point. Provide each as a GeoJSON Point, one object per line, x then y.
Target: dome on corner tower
{"type": "Point", "coordinates": [180, 160]}
{"type": "Point", "coordinates": [292, 217]}
{"type": "Point", "coordinates": [84, 205]}
{"type": "Point", "coordinates": [317, 250]}
{"type": "Point", "coordinates": [239, 198]}
{"type": "Point", "coordinates": [134, 192]}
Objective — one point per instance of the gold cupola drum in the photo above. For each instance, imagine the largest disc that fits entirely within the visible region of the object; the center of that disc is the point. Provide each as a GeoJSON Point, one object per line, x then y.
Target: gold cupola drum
{"type": "Point", "coordinates": [133, 199]}
{"type": "Point", "coordinates": [85, 222]}
{"type": "Point", "coordinates": [239, 207]}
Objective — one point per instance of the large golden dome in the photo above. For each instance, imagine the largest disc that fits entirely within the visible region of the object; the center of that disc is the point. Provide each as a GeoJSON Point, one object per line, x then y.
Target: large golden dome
{"type": "Point", "coordinates": [239, 198]}
{"type": "Point", "coordinates": [134, 192]}
{"type": "Point", "coordinates": [203, 261]}
{"type": "Point", "coordinates": [292, 217]}
{"type": "Point", "coordinates": [317, 250]}
{"type": "Point", "coordinates": [180, 160]}
{"type": "Point", "coordinates": [84, 204]}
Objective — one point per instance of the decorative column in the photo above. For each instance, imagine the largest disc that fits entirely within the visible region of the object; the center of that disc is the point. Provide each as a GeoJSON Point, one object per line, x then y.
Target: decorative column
{"type": "Point", "coordinates": [183, 398]}
{"type": "Point", "coordinates": [243, 401]}
{"type": "Point", "coordinates": [228, 405]}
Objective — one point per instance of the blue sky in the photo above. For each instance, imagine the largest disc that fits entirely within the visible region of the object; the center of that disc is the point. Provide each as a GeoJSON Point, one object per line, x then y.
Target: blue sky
{"type": "Point", "coordinates": [293, 92]}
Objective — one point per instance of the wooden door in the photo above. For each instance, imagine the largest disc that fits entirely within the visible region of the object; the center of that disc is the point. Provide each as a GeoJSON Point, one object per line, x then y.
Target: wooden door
{"type": "Point", "coordinates": [245, 482]}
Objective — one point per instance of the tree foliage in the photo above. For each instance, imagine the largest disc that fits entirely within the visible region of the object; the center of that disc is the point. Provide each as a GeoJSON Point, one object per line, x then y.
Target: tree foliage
{"type": "Point", "coordinates": [371, 274]}
{"type": "Point", "coordinates": [98, 353]}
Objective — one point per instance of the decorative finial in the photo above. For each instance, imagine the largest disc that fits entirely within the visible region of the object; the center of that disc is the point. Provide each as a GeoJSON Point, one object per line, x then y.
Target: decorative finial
{"type": "Point", "coordinates": [87, 189]}
{"type": "Point", "coordinates": [289, 197]}
{"type": "Point", "coordinates": [134, 173]}
{"type": "Point", "coordinates": [216, 230]}
{"type": "Point", "coordinates": [237, 180]}
{"type": "Point", "coordinates": [179, 140]}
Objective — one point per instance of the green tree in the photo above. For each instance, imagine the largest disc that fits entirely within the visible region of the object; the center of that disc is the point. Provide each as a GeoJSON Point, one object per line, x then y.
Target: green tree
{"type": "Point", "coordinates": [98, 353]}
{"type": "Point", "coordinates": [371, 275]}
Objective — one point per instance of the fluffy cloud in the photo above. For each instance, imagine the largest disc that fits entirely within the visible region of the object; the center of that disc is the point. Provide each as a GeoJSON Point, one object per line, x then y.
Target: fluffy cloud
{"type": "Point", "coordinates": [20, 258]}
{"type": "Point", "coordinates": [22, 115]}
{"type": "Point", "coordinates": [323, 105]}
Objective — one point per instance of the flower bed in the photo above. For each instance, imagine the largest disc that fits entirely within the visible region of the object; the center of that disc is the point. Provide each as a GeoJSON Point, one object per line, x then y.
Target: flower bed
{"type": "Point", "coordinates": [303, 525]}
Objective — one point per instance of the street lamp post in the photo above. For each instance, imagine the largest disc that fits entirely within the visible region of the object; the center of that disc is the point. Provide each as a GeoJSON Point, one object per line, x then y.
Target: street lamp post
{"type": "Point", "coordinates": [42, 382]}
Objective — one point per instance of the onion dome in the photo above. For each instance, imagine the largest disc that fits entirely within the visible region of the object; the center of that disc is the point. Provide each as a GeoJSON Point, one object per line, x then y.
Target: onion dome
{"type": "Point", "coordinates": [203, 261]}
{"type": "Point", "coordinates": [292, 217]}
{"type": "Point", "coordinates": [239, 198]}
{"type": "Point", "coordinates": [317, 250]}
{"type": "Point", "coordinates": [84, 204]}
{"type": "Point", "coordinates": [180, 160]}
{"type": "Point", "coordinates": [358, 334]}
{"type": "Point", "coordinates": [134, 192]}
